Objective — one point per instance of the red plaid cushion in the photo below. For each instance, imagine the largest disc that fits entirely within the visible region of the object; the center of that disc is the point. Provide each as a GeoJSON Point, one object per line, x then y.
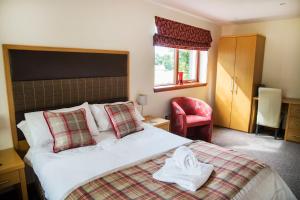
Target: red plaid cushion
{"type": "Point", "coordinates": [123, 119]}
{"type": "Point", "coordinates": [69, 129]}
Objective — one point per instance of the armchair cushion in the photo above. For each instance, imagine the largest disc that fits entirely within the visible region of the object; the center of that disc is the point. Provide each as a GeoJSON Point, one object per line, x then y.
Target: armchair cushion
{"type": "Point", "coordinates": [194, 120]}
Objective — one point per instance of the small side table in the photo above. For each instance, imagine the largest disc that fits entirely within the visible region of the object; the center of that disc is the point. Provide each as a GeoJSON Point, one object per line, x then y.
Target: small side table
{"type": "Point", "coordinates": [12, 171]}
{"type": "Point", "coordinates": [158, 122]}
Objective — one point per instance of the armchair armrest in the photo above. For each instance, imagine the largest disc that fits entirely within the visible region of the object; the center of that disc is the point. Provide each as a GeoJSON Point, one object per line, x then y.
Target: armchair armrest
{"type": "Point", "coordinates": [179, 111]}
{"type": "Point", "coordinates": [178, 122]}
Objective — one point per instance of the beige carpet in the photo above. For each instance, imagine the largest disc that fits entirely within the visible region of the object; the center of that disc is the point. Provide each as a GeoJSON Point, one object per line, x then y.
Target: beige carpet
{"type": "Point", "coordinates": [282, 156]}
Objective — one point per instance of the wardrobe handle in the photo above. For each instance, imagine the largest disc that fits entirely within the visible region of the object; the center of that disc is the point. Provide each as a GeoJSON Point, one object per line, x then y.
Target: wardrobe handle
{"type": "Point", "coordinates": [232, 84]}
{"type": "Point", "coordinates": [236, 85]}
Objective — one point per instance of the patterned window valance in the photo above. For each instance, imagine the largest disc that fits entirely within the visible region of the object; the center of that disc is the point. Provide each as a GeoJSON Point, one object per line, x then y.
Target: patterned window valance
{"type": "Point", "coordinates": [177, 35]}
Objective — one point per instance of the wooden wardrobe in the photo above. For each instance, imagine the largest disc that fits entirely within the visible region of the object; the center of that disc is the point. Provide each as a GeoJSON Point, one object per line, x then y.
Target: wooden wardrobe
{"type": "Point", "coordinates": [239, 71]}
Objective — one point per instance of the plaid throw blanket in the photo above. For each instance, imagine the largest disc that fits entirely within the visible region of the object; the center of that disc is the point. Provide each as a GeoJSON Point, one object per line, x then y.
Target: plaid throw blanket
{"type": "Point", "coordinates": [232, 171]}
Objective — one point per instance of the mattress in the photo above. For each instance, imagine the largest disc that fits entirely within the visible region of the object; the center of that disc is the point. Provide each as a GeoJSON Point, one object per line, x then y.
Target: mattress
{"type": "Point", "coordinates": [61, 173]}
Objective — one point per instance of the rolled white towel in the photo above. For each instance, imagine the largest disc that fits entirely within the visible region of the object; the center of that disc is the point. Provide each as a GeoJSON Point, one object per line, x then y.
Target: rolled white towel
{"type": "Point", "coordinates": [185, 158]}
{"type": "Point", "coordinates": [185, 170]}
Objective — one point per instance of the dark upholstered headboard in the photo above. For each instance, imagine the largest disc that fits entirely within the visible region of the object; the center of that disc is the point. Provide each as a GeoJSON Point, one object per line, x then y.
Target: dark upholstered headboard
{"type": "Point", "coordinates": [43, 78]}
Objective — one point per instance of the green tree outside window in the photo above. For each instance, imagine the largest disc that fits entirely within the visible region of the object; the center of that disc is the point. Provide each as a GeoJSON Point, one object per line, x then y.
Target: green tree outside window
{"type": "Point", "coordinates": [184, 63]}
{"type": "Point", "coordinates": [167, 60]}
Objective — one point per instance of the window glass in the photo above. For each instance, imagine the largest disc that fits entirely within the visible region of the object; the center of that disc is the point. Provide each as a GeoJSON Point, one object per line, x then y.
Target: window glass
{"type": "Point", "coordinates": [169, 60]}
{"type": "Point", "coordinates": [164, 66]}
{"type": "Point", "coordinates": [203, 66]}
{"type": "Point", "coordinates": [187, 64]}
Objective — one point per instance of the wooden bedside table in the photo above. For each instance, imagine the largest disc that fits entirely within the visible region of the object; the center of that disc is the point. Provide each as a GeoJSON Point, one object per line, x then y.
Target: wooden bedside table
{"type": "Point", "coordinates": [158, 122]}
{"type": "Point", "coordinates": [12, 171]}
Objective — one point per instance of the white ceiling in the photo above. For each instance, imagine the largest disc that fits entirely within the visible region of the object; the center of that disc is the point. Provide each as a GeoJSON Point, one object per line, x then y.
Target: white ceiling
{"type": "Point", "coordinates": [237, 11]}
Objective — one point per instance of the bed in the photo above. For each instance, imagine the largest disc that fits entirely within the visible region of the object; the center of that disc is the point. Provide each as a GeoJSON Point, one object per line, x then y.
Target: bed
{"type": "Point", "coordinates": [65, 175]}
{"type": "Point", "coordinates": [115, 168]}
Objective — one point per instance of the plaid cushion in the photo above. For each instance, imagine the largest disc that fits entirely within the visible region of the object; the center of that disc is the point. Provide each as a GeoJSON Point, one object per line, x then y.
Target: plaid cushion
{"type": "Point", "coordinates": [69, 129]}
{"type": "Point", "coordinates": [123, 118]}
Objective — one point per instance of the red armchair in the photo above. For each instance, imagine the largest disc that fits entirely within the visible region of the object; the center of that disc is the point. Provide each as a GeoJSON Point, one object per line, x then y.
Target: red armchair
{"type": "Point", "coordinates": [191, 115]}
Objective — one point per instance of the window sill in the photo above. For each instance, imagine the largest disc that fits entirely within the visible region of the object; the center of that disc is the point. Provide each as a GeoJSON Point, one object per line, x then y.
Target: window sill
{"type": "Point", "coordinates": [177, 86]}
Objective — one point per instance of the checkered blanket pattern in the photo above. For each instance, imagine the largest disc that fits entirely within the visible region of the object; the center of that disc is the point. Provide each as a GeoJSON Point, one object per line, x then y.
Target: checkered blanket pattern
{"type": "Point", "coordinates": [123, 118]}
{"type": "Point", "coordinates": [69, 129]}
{"type": "Point", "coordinates": [232, 171]}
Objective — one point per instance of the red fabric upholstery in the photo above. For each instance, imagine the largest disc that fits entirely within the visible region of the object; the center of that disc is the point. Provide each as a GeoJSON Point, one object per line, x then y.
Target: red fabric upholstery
{"type": "Point", "coordinates": [195, 120]}
{"type": "Point", "coordinates": [190, 112]}
{"type": "Point", "coordinates": [182, 36]}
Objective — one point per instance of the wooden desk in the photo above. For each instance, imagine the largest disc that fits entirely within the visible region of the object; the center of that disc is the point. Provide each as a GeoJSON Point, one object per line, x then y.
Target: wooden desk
{"type": "Point", "coordinates": [285, 100]}
{"type": "Point", "coordinates": [292, 129]}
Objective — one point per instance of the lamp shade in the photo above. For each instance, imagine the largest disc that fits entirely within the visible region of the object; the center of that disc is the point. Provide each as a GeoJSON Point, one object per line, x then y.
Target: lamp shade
{"type": "Point", "coordinates": [142, 99]}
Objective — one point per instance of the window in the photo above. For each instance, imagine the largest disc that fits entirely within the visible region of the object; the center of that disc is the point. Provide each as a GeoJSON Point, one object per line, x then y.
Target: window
{"type": "Point", "coordinates": [164, 66]}
{"type": "Point", "coordinates": [187, 63]}
{"type": "Point", "coordinates": [203, 66]}
{"type": "Point", "coordinates": [170, 61]}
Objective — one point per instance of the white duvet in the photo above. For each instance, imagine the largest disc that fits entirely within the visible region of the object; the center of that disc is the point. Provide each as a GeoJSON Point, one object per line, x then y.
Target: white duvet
{"type": "Point", "coordinates": [61, 173]}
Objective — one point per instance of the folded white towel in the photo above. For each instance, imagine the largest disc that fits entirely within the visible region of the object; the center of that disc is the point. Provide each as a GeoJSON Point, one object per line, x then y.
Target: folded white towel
{"type": "Point", "coordinates": [191, 176]}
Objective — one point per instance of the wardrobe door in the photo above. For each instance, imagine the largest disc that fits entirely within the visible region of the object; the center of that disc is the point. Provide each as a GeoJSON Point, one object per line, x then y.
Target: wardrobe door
{"type": "Point", "coordinates": [242, 94]}
{"type": "Point", "coordinates": [224, 84]}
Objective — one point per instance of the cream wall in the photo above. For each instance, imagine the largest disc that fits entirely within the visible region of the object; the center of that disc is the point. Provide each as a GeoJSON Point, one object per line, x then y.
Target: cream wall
{"type": "Point", "coordinates": [282, 52]}
{"type": "Point", "coordinates": [101, 24]}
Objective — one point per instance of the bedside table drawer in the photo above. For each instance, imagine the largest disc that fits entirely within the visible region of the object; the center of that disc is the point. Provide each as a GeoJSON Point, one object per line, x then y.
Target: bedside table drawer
{"type": "Point", "coordinates": [295, 110]}
{"type": "Point", "coordinates": [158, 122]}
{"type": "Point", "coordinates": [294, 123]}
{"type": "Point", "coordinates": [293, 138]}
{"type": "Point", "coordinates": [166, 127]}
{"type": "Point", "coordinates": [293, 132]}
{"type": "Point", "coordinates": [9, 179]}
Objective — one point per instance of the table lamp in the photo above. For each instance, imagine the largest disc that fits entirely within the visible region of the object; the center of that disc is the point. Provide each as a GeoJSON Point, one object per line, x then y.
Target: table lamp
{"type": "Point", "coordinates": [142, 100]}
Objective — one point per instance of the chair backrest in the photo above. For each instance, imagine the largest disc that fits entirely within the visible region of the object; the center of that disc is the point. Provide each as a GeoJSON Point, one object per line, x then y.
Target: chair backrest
{"type": "Point", "coordinates": [192, 106]}
{"type": "Point", "coordinates": [269, 107]}
{"type": "Point", "coordinates": [183, 102]}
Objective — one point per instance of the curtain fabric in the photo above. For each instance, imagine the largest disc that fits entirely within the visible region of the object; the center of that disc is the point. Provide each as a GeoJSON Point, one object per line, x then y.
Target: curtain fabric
{"type": "Point", "coordinates": [177, 35]}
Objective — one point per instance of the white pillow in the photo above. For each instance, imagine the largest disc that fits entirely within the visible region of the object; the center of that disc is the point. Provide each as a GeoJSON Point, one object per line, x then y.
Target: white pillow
{"type": "Point", "coordinates": [25, 130]}
{"type": "Point", "coordinates": [102, 118]}
{"type": "Point", "coordinates": [39, 130]}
